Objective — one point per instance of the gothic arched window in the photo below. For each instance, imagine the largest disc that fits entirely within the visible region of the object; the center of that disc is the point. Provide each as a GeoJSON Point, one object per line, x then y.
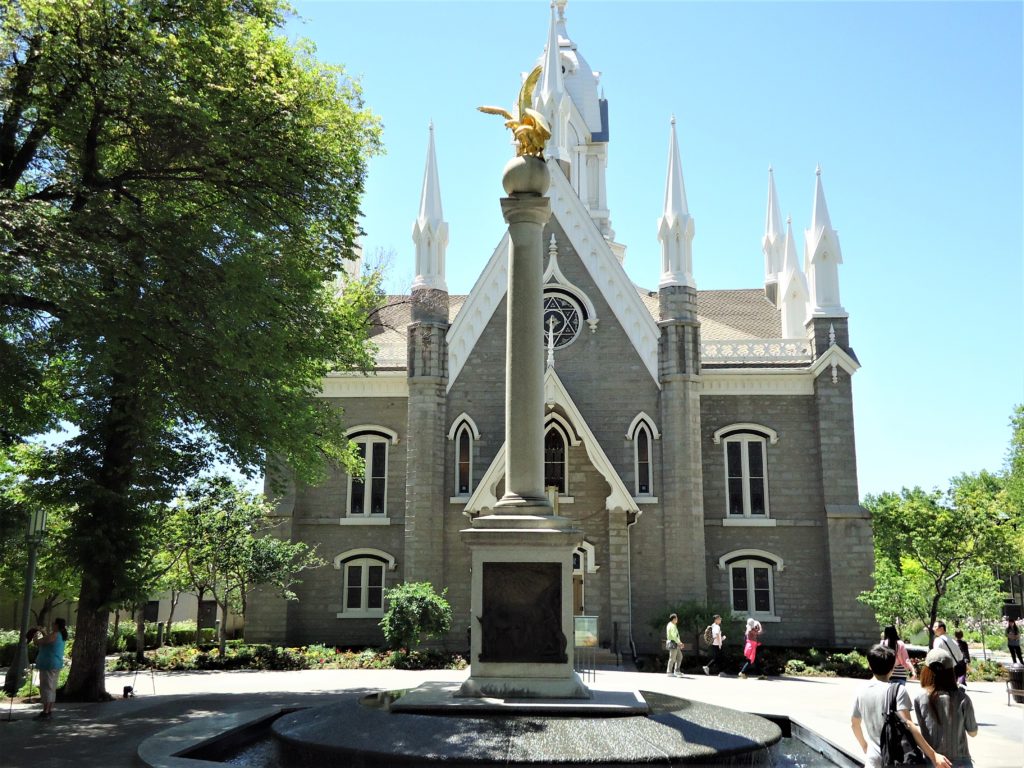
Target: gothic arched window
{"type": "Point", "coordinates": [555, 457]}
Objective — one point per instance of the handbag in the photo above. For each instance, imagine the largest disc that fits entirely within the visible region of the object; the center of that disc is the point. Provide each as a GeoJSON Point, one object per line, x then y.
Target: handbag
{"type": "Point", "coordinates": [671, 645]}
{"type": "Point", "coordinates": [896, 743]}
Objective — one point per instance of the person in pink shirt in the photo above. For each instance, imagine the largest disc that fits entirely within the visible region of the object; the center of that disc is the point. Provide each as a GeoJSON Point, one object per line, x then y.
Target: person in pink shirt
{"type": "Point", "coordinates": [904, 668]}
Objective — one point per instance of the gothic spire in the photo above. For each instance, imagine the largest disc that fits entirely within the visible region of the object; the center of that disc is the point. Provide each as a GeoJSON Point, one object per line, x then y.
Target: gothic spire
{"type": "Point", "coordinates": [792, 290]}
{"type": "Point", "coordinates": [822, 257]}
{"type": "Point", "coordinates": [430, 231]}
{"type": "Point", "coordinates": [771, 243]}
{"type": "Point", "coordinates": [675, 227]}
{"type": "Point", "coordinates": [552, 99]}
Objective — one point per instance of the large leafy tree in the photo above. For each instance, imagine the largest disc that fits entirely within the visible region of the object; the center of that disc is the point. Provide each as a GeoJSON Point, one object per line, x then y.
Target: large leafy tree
{"type": "Point", "coordinates": [930, 546]}
{"type": "Point", "coordinates": [225, 542]}
{"type": "Point", "coordinates": [178, 186]}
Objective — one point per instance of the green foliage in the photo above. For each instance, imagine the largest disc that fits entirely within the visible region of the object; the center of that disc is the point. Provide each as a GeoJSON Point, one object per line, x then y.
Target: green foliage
{"type": "Point", "coordinates": [988, 671]}
{"type": "Point", "coordinates": [815, 663]}
{"type": "Point", "coordinates": [415, 611]}
{"type": "Point", "coordinates": [242, 656]}
{"type": "Point", "coordinates": [694, 617]}
{"type": "Point", "coordinates": [179, 186]}
{"type": "Point", "coordinates": [936, 551]}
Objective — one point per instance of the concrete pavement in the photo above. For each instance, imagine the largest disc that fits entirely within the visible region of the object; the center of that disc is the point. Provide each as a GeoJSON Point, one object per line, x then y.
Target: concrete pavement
{"type": "Point", "coordinates": [109, 734]}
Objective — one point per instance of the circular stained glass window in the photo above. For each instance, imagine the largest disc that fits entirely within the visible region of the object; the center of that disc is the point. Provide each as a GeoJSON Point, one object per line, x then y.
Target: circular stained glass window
{"type": "Point", "coordinates": [563, 318]}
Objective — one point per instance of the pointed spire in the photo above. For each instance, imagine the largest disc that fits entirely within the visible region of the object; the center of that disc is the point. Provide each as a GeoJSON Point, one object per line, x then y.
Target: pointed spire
{"type": "Point", "coordinates": [430, 231]}
{"type": "Point", "coordinates": [822, 257]}
{"type": "Point", "coordinates": [551, 98]}
{"type": "Point", "coordinates": [675, 227]}
{"type": "Point", "coordinates": [793, 291]}
{"type": "Point", "coordinates": [771, 243]}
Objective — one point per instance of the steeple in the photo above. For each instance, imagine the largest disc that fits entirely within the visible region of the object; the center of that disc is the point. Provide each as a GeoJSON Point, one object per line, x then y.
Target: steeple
{"type": "Point", "coordinates": [822, 257]}
{"type": "Point", "coordinates": [771, 243]}
{"type": "Point", "coordinates": [552, 100]}
{"type": "Point", "coordinates": [430, 231]}
{"type": "Point", "coordinates": [675, 227]}
{"type": "Point", "coordinates": [792, 290]}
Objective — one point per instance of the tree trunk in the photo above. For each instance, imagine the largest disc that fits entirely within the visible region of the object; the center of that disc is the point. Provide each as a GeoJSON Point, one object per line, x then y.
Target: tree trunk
{"type": "Point", "coordinates": [175, 595]}
{"type": "Point", "coordinates": [199, 602]}
{"type": "Point", "coordinates": [933, 616]}
{"type": "Point", "coordinates": [87, 681]}
{"type": "Point", "coordinates": [140, 636]}
{"type": "Point", "coordinates": [223, 633]}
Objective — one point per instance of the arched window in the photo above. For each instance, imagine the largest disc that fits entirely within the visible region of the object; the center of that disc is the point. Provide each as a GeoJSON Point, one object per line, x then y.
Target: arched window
{"type": "Point", "coordinates": [555, 459]}
{"type": "Point", "coordinates": [463, 461]}
{"type": "Point", "coordinates": [642, 460]}
{"type": "Point", "coordinates": [362, 582]}
{"type": "Point", "coordinates": [367, 495]}
{"type": "Point", "coordinates": [746, 469]}
{"type": "Point", "coordinates": [751, 574]}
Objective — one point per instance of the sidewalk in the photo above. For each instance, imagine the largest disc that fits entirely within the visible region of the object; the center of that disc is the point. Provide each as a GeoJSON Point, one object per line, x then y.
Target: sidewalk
{"type": "Point", "coordinates": [109, 734]}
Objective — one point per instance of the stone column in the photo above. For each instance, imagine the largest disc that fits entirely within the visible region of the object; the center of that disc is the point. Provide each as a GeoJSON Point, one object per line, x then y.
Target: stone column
{"type": "Point", "coordinates": [526, 214]}
{"type": "Point", "coordinates": [522, 625]}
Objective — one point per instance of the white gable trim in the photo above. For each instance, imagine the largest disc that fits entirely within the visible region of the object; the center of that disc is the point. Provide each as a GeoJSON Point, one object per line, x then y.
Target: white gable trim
{"type": "Point", "coordinates": [746, 426]}
{"type": "Point", "coordinates": [553, 277]}
{"type": "Point", "coordinates": [605, 269]}
{"type": "Point", "coordinates": [485, 497]}
{"type": "Point", "coordinates": [834, 357]}
{"type": "Point", "coordinates": [480, 304]}
{"type": "Point", "coordinates": [568, 430]}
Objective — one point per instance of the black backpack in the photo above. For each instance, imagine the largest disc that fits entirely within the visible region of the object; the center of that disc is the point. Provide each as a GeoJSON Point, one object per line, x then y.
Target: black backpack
{"type": "Point", "coordinates": [896, 742]}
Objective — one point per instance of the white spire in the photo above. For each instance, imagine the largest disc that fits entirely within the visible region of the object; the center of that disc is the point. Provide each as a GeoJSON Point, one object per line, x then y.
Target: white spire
{"type": "Point", "coordinates": [771, 243]}
{"type": "Point", "coordinates": [675, 227]}
{"type": "Point", "coordinates": [822, 257]}
{"type": "Point", "coordinates": [793, 291]}
{"type": "Point", "coordinates": [551, 98]}
{"type": "Point", "coordinates": [430, 231]}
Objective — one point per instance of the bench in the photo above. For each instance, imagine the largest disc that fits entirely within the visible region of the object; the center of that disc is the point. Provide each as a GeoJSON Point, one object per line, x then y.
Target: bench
{"type": "Point", "coordinates": [1011, 691]}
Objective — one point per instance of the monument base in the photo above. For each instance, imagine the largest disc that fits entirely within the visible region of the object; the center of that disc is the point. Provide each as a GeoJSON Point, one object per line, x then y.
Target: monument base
{"type": "Point", "coordinates": [524, 687]}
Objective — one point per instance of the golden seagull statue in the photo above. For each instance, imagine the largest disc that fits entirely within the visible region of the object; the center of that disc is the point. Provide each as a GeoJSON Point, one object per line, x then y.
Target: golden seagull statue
{"type": "Point", "coordinates": [530, 129]}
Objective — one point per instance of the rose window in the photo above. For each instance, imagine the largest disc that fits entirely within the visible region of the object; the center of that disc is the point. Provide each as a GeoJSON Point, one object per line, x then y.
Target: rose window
{"type": "Point", "coordinates": [562, 319]}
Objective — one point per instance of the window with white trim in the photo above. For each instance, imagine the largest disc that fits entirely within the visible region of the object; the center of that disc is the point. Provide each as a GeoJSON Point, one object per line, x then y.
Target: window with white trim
{"type": "Point", "coordinates": [362, 587]}
{"type": "Point", "coordinates": [642, 461]}
{"type": "Point", "coordinates": [463, 461]}
{"type": "Point", "coordinates": [367, 495]}
{"type": "Point", "coordinates": [555, 459]}
{"type": "Point", "coordinates": [746, 470]}
{"type": "Point", "coordinates": [751, 588]}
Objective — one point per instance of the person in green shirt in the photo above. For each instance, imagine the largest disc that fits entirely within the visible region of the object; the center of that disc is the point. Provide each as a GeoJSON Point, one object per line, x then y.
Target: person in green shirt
{"type": "Point", "coordinates": [674, 646]}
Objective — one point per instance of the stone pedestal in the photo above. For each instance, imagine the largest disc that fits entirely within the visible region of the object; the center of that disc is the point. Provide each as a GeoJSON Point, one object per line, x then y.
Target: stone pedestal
{"type": "Point", "coordinates": [522, 626]}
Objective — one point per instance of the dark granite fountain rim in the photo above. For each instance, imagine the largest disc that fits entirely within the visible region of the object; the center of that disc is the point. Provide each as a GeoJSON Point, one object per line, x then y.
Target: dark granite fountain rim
{"type": "Point", "coordinates": [677, 731]}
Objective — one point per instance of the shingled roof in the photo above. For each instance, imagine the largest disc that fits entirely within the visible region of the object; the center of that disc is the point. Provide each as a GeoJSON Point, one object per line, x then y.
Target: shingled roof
{"type": "Point", "coordinates": [724, 315]}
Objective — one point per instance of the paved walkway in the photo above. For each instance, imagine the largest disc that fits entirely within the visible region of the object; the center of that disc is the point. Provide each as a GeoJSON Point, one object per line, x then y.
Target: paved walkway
{"type": "Point", "coordinates": [109, 734]}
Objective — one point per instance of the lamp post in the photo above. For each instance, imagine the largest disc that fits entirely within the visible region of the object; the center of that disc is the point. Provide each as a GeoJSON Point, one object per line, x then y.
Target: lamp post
{"type": "Point", "coordinates": [16, 672]}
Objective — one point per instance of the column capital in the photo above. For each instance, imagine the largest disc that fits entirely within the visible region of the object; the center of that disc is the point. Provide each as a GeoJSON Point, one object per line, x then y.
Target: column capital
{"type": "Point", "coordinates": [526, 210]}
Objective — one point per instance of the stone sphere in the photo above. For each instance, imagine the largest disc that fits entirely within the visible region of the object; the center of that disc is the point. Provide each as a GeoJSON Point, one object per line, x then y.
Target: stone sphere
{"type": "Point", "coordinates": [526, 176]}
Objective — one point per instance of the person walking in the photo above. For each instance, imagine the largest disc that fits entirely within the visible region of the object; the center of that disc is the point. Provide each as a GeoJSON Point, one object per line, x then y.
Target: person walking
{"type": "Point", "coordinates": [944, 711]}
{"type": "Point", "coordinates": [1013, 642]}
{"type": "Point", "coordinates": [673, 645]}
{"type": "Point", "coordinates": [869, 711]}
{"type": "Point", "coordinates": [949, 645]}
{"type": "Point", "coordinates": [49, 662]}
{"type": "Point", "coordinates": [717, 638]}
{"type": "Point", "coordinates": [751, 643]}
{"type": "Point", "coordinates": [904, 668]}
{"type": "Point", "coordinates": [961, 677]}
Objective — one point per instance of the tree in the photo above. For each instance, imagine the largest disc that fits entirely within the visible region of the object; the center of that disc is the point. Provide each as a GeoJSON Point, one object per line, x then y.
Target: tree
{"type": "Point", "coordinates": [926, 542]}
{"type": "Point", "coordinates": [178, 187]}
{"type": "Point", "coordinates": [227, 549]}
{"type": "Point", "coordinates": [415, 610]}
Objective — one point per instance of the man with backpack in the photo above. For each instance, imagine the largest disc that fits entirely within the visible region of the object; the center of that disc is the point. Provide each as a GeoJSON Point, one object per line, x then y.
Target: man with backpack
{"type": "Point", "coordinates": [870, 711]}
{"type": "Point", "coordinates": [714, 638]}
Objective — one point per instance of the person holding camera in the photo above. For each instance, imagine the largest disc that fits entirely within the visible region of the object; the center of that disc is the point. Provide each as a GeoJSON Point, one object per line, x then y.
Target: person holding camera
{"type": "Point", "coordinates": [49, 662]}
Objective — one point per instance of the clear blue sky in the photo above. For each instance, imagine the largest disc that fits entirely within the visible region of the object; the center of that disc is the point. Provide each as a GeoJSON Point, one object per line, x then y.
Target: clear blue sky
{"type": "Point", "coordinates": [913, 110]}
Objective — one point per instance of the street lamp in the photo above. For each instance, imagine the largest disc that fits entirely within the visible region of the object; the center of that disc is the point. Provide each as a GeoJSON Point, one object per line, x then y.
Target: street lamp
{"type": "Point", "coordinates": [16, 672]}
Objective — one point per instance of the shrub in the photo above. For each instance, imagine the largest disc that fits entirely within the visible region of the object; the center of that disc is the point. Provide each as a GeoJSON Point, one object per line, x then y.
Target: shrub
{"type": "Point", "coordinates": [415, 611]}
{"type": "Point", "coordinates": [980, 669]}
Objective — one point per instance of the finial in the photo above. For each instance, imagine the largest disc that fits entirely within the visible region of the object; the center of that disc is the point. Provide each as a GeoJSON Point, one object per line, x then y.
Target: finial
{"type": "Point", "coordinates": [831, 335]}
{"type": "Point", "coordinates": [770, 169]}
{"type": "Point", "coordinates": [673, 120]}
{"type": "Point", "coordinates": [818, 171]}
{"type": "Point", "coordinates": [561, 8]}
{"type": "Point", "coordinates": [789, 220]}
{"type": "Point", "coordinates": [431, 125]}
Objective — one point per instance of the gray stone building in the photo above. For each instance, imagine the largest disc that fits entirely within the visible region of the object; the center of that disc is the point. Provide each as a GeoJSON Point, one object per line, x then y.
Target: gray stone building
{"type": "Point", "coordinates": [703, 441]}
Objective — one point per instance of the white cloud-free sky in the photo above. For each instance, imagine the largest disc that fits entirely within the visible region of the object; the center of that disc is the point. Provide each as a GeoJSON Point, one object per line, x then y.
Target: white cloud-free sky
{"type": "Point", "coordinates": [913, 110]}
